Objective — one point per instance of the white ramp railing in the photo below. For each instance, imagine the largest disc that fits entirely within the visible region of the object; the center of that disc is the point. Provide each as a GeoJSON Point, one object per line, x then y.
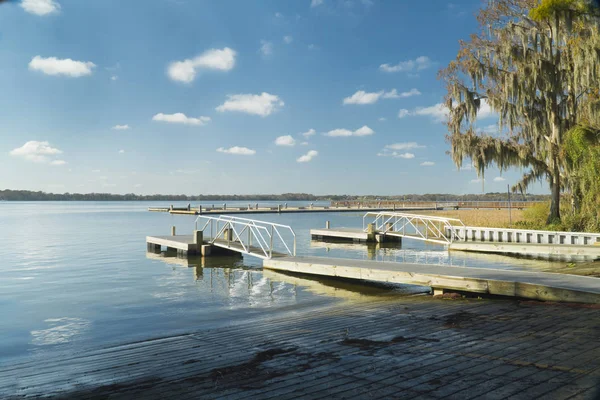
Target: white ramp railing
{"type": "Point", "coordinates": [422, 227]}
{"type": "Point", "coordinates": [253, 237]}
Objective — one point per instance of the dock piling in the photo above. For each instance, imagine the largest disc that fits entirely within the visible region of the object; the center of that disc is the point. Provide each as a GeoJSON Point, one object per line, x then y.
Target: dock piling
{"type": "Point", "coordinates": [327, 225]}
{"type": "Point", "coordinates": [173, 231]}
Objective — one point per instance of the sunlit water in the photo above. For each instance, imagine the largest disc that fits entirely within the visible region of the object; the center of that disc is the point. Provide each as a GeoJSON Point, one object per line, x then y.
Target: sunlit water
{"type": "Point", "coordinates": [75, 275]}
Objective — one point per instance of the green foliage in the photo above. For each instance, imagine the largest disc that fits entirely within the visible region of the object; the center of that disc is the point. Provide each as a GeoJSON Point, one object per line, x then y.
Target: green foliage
{"type": "Point", "coordinates": [540, 74]}
{"type": "Point", "coordinates": [549, 8]}
{"type": "Point", "coordinates": [535, 217]}
{"type": "Point", "coordinates": [581, 154]}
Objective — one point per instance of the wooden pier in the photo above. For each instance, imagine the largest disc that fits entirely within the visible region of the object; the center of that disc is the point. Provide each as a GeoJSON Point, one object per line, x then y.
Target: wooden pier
{"type": "Point", "coordinates": [281, 209]}
{"type": "Point", "coordinates": [523, 284]}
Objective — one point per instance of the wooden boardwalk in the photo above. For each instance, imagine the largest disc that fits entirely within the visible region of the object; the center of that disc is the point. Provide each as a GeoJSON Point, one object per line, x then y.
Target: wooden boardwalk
{"type": "Point", "coordinates": [523, 284]}
{"type": "Point", "coordinates": [411, 347]}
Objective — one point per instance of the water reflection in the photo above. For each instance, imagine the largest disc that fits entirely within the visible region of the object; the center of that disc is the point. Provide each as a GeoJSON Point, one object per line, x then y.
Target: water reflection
{"type": "Point", "coordinates": [252, 287]}
{"type": "Point", "coordinates": [392, 252]}
{"type": "Point", "coordinates": [60, 330]}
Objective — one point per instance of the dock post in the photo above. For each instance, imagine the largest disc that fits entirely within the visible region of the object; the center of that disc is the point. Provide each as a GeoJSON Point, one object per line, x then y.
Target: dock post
{"type": "Point", "coordinates": [278, 208]}
{"type": "Point", "coordinates": [327, 224]}
{"type": "Point", "coordinates": [256, 206]}
{"type": "Point", "coordinates": [249, 206]}
{"type": "Point", "coordinates": [200, 209]}
{"type": "Point", "coordinates": [171, 207]}
{"type": "Point", "coordinates": [224, 206]}
{"type": "Point", "coordinates": [198, 238]}
{"type": "Point", "coordinates": [394, 206]}
{"type": "Point", "coordinates": [172, 231]}
{"type": "Point", "coordinates": [370, 233]}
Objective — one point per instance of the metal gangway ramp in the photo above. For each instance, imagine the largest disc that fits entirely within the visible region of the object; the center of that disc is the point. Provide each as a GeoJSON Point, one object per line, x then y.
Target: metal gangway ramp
{"type": "Point", "coordinates": [248, 236]}
{"type": "Point", "coordinates": [421, 227]}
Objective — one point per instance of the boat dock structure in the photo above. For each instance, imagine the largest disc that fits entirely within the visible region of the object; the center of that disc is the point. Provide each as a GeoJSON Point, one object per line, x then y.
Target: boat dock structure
{"type": "Point", "coordinates": [342, 206]}
{"type": "Point", "coordinates": [256, 208]}
{"type": "Point", "coordinates": [387, 226]}
{"type": "Point", "coordinates": [275, 244]}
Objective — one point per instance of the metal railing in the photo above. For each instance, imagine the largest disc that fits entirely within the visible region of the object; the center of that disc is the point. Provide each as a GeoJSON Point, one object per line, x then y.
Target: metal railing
{"type": "Point", "coordinates": [422, 227]}
{"type": "Point", "coordinates": [248, 236]}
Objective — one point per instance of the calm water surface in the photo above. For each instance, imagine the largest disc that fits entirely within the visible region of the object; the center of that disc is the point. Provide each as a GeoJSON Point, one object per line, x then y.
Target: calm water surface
{"type": "Point", "coordinates": [75, 275]}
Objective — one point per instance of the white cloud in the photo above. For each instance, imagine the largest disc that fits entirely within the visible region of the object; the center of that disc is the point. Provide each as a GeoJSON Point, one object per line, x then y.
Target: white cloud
{"type": "Point", "coordinates": [439, 112]}
{"type": "Point", "coordinates": [121, 127]}
{"type": "Point", "coordinates": [485, 111]}
{"type": "Point", "coordinates": [121, 151]}
{"type": "Point", "coordinates": [364, 131]}
{"type": "Point", "coordinates": [286, 140]}
{"type": "Point", "coordinates": [243, 151]}
{"type": "Point", "coordinates": [138, 185]}
{"type": "Point", "coordinates": [382, 119]}
{"type": "Point", "coordinates": [362, 97]}
{"type": "Point", "coordinates": [36, 151]}
{"type": "Point", "coordinates": [308, 156]}
{"type": "Point", "coordinates": [404, 146]}
{"type": "Point", "coordinates": [180, 118]}
{"type": "Point", "coordinates": [40, 7]}
{"type": "Point", "coordinates": [213, 59]}
{"type": "Point", "coordinates": [316, 3]}
{"type": "Point", "coordinates": [499, 179]}
{"type": "Point", "coordinates": [263, 104]}
{"type": "Point", "coordinates": [309, 133]}
{"type": "Point", "coordinates": [403, 113]}
{"type": "Point", "coordinates": [66, 67]}
{"type": "Point", "coordinates": [404, 155]}
{"type": "Point", "coordinates": [478, 180]}
{"type": "Point", "coordinates": [427, 163]}
{"type": "Point", "coordinates": [418, 64]}
{"type": "Point", "coordinates": [266, 48]}
{"type": "Point", "coordinates": [114, 78]}
{"type": "Point", "coordinates": [393, 94]}
{"type": "Point", "coordinates": [288, 39]}
{"type": "Point", "coordinates": [304, 144]}
{"type": "Point", "coordinates": [58, 162]}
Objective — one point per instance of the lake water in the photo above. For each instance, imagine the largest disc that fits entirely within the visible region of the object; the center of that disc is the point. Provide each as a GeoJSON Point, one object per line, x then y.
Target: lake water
{"type": "Point", "coordinates": [75, 275]}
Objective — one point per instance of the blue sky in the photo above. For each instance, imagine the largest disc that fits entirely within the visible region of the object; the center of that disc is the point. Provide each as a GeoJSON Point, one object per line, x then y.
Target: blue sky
{"type": "Point", "coordinates": [190, 96]}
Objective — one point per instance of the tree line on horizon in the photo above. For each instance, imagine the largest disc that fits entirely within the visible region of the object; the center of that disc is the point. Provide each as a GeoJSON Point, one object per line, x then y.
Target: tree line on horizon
{"type": "Point", "coordinates": [27, 195]}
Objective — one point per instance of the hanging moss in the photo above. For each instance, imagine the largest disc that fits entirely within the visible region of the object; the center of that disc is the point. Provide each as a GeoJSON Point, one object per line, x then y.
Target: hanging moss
{"type": "Point", "coordinates": [537, 64]}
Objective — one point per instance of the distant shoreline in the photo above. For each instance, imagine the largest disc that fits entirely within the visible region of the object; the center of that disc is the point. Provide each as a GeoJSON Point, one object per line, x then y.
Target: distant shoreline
{"type": "Point", "coordinates": [27, 195]}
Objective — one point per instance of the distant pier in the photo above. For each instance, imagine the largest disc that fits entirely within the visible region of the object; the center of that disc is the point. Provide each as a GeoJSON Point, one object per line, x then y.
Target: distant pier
{"type": "Point", "coordinates": [256, 208]}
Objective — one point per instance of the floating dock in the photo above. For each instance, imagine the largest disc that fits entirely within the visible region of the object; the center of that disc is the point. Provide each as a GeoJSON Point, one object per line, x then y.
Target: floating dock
{"type": "Point", "coordinates": [389, 226]}
{"type": "Point", "coordinates": [530, 285]}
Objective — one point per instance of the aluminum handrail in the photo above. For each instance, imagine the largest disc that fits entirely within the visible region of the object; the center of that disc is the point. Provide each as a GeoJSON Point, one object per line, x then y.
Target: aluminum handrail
{"type": "Point", "coordinates": [263, 233]}
{"type": "Point", "coordinates": [442, 229]}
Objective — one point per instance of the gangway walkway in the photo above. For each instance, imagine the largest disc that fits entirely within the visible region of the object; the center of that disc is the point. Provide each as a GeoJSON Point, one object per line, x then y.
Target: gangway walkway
{"type": "Point", "coordinates": [248, 236]}
{"type": "Point", "coordinates": [421, 227]}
